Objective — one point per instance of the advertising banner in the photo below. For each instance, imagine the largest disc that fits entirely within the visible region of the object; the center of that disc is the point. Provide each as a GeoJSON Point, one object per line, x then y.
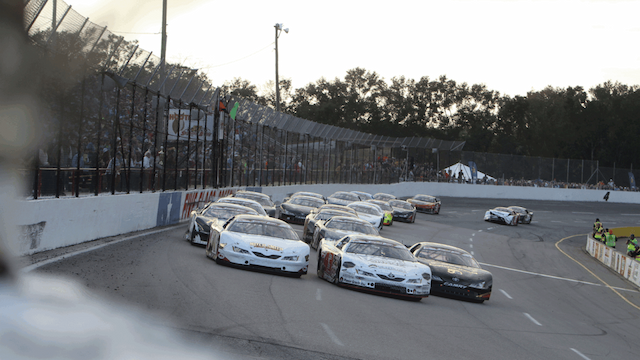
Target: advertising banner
{"type": "Point", "coordinates": [183, 121]}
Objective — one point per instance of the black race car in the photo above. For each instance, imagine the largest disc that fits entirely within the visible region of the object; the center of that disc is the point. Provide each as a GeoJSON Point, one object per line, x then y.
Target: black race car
{"type": "Point", "coordinates": [319, 216]}
{"type": "Point", "coordinates": [296, 209]}
{"type": "Point", "coordinates": [214, 214]}
{"type": "Point", "coordinates": [454, 272]}
{"type": "Point", "coordinates": [403, 211]}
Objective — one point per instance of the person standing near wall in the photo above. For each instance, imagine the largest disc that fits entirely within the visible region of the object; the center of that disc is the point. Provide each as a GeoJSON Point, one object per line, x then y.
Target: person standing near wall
{"type": "Point", "coordinates": [610, 239]}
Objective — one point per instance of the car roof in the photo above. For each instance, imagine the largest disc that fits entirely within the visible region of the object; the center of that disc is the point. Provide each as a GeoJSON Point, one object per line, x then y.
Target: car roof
{"type": "Point", "coordinates": [249, 192]}
{"type": "Point", "coordinates": [442, 246]}
{"type": "Point", "coordinates": [350, 218]}
{"type": "Point", "coordinates": [374, 237]}
{"type": "Point", "coordinates": [261, 219]}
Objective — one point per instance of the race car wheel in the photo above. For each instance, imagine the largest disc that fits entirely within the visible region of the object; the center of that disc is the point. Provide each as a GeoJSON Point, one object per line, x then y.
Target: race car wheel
{"type": "Point", "coordinates": [413, 219]}
{"type": "Point", "coordinates": [217, 259]}
{"type": "Point", "coordinates": [320, 270]}
{"type": "Point", "coordinates": [336, 278]}
{"type": "Point", "coordinates": [316, 240]}
{"type": "Point", "coordinates": [193, 235]}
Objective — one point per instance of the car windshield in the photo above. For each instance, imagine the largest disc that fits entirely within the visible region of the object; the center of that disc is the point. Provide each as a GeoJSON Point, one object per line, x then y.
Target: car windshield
{"type": "Point", "coordinates": [310, 202]}
{"type": "Point", "coordinates": [255, 207]}
{"type": "Point", "coordinates": [401, 204]}
{"type": "Point", "coordinates": [377, 248]}
{"type": "Point", "coordinates": [224, 213]}
{"type": "Point", "coordinates": [383, 205]}
{"type": "Point", "coordinates": [366, 210]}
{"type": "Point", "coordinates": [426, 198]}
{"type": "Point", "coordinates": [264, 228]}
{"type": "Point", "coordinates": [258, 198]}
{"type": "Point", "coordinates": [364, 228]}
{"type": "Point", "coordinates": [448, 256]}
{"type": "Point", "coordinates": [346, 196]}
{"type": "Point", "coordinates": [307, 194]}
{"type": "Point", "coordinates": [326, 215]}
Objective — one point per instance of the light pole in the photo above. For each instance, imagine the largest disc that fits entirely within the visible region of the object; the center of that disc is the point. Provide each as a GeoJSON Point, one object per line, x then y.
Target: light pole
{"type": "Point", "coordinates": [279, 29]}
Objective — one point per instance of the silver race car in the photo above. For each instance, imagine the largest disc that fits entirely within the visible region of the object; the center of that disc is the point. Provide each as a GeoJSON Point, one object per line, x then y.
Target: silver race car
{"type": "Point", "coordinates": [373, 263]}
{"type": "Point", "coordinates": [524, 216]}
{"type": "Point", "coordinates": [259, 242]}
{"type": "Point", "coordinates": [213, 215]}
{"type": "Point", "coordinates": [502, 215]}
{"type": "Point", "coordinates": [339, 226]}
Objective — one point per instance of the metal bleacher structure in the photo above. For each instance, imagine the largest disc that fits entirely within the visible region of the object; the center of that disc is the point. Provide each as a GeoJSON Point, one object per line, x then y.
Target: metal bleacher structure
{"type": "Point", "coordinates": [120, 107]}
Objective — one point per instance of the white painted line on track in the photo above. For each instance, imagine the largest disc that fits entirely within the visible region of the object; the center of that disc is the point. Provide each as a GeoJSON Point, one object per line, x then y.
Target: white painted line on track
{"type": "Point", "coordinates": [505, 294]}
{"type": "Point", "coordinates": [582, 212]}
{"type": "Point", "coordinates": [479, 230]}
{"type": "Point", "coordinates": [474, 234]}
{"type": "Point", "coordinates": [532, 319]}
{"type": "Point", "coordinates": [580, 354]}
{"type": "Point", "coordinates": [553, 277]}
{"type": "Point", "coordinates": [470, 239]}
{"type": "Point", "coordinates": [318, 295]}
{"type": "Point", "coordinates": [471, 246]}
{"type": "Point", "coordinates": [71, 254]}
{"type": "Point", "coordinates": [490, 228]}
{"type": "Point", "coordinates": [473, 253]}
{"type": "Point", "coordinates": [333, 336]}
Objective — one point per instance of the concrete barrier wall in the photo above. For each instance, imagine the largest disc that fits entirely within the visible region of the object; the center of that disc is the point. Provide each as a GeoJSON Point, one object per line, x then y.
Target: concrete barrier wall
{"type": "Point", "coordinates": [624, 265]}
{"type": "Point", "coordinates": [47, 224]}
{"type": "Point", "coordinates": [461, 190]}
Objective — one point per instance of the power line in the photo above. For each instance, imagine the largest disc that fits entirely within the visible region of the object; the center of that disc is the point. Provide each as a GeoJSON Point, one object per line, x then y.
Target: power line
{"type": "Point", "coordinates": [242, 58]}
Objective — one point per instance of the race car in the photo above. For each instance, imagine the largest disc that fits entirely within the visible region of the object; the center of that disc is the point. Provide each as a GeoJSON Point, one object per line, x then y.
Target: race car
{"type": "Point", "coordinates": [403, 211]}
{"type": "Point", "coordinates": [373, 263]}
{"type": "Point", "coordinates": [370, 212]}
{"type": "Point", "coordinates": [524, 216]}
{"type": "Point", "coordinates": [259, 242]}
{"type": "Point", "coordinates": [454, 272]}
{"type": "Point", "coordinates": [212, 215]}
{"type": "Point", "coordinates": [323, 215]}
{"type": "Point", "coordinates": [339, 226]}
{"type": "Point", "coordinates": [334, 207]}
{"type": "Point", "coordinates": [426, 203]}
{"type": "Point", "coordinates": [364, 196]}
{"type": "Point", "coordinates": [262, 199]}
{"type": "Point", "coordinates": [387, 209]}
{"type": "Point", "coordinates": [384, 197]}
{"type": "Point", "coordinates": [244, 202]}
{"type": "Point", "coordinates": [296, 209]}
{"type": "Point", "coordinates": [501, 215]}
{"type": "Point", "coordinates": [306, 193]}
{"type": "Point", "coordinates": [342, 198]}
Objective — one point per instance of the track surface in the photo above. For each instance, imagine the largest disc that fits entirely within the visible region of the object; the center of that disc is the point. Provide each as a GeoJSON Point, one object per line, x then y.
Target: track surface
{"type": "Point", "coordinates": [544, 305]}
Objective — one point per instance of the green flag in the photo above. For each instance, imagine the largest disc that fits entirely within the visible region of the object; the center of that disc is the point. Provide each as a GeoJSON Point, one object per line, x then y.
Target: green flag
{"type": "Point", "coordinates": [233, 111]}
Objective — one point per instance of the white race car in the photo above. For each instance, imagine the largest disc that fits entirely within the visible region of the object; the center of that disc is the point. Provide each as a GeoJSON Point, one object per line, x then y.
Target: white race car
{"type": "Point", "coordinates": [502, 215]}
{"type": "Point", "coordinates": [370, 212]}
{"type": "Point", "coordinates": [374, 263]}
{"type": "Point", "coordinates": [260, 242]}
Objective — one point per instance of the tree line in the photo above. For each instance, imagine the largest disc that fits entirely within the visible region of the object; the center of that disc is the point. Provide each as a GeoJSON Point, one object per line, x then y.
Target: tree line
{"type": "Point", "coordinates": [599, 124]}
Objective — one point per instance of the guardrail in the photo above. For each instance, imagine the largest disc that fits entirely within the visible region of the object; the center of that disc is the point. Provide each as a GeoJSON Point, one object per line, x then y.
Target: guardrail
{"type": "Point", "coordinates": [626, 266]}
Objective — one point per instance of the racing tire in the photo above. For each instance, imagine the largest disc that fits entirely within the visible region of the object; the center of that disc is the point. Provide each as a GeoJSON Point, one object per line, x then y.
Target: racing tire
{"type": "Point", "coordinates": [413, 219]}
{"type": "Point", "coordinates": [315, 242]}
{"type": "Point", "coordinates": [191, 238]}
{"type": "Point", "coordinates": [320, 269]}
{"type": "Point", "coordinates": [336, 278]}
{"type": "Point", "coordinates": [217, 259]}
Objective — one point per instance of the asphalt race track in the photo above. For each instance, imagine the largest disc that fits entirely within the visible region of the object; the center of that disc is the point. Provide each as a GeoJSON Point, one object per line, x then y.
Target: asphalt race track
{"type": "Point", "coordinates": [544, 305]}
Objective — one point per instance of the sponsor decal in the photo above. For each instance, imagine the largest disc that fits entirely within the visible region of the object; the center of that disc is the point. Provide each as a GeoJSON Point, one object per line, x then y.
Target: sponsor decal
{"type": "Point", "coordinates": [196, 199]}
{"type": "Point", "coordinates": [265, 246]}
{"type": "Point", "coordinates": [460, 286]}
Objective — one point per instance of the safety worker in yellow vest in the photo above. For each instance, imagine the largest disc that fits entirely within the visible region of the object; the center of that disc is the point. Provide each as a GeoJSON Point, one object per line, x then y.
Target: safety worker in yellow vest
{"type": "Point", "coordinates": [632, 244]}
{"type": "Point", "coordinates": [599, 236]}
{"type": "Point", "coordinates": [610, 239]}
{"type": "Point", "coordinates": [596, 226]}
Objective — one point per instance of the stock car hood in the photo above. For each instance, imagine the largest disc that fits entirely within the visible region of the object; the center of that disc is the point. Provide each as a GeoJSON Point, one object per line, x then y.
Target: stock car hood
{"type": "Point", "coordinates": [500, 214]}
{"type": "Point", "coordinates": [265, 244]}
{"type": "Point", "coordinates": [297, 209]}
{"type": "Point", "coordinates": [384, 265]}
{"type": "Point", "coordinates": [337, 201]}
{"type": "Point", "coordinates": [422, 203]}
{"type": "Point", "coordinates": [400, 211]}
{"type": "Point", "coordinates": [374, 219]}
{"type": "Point", "coordinates": [465, 274]}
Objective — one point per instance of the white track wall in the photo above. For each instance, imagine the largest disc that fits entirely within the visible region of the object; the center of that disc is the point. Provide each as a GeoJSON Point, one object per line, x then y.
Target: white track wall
{"type": "Point", "coordinates": [47, 224]}
{"type": "Point", "coordinates": [624, 265]}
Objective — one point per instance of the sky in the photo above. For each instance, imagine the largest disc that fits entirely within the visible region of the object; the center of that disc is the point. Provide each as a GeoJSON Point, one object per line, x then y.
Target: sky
{"type": "Point", "coordinates": [510, 46]}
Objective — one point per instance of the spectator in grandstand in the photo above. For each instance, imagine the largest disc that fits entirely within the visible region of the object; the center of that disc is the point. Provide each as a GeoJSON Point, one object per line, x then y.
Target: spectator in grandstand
{"type": "Point", "coordinates": [147, 162]}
